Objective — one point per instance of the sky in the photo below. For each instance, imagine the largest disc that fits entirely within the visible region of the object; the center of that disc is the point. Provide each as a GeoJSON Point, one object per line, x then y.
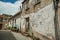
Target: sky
{"type": "Point", "coordinates": [10, 7]}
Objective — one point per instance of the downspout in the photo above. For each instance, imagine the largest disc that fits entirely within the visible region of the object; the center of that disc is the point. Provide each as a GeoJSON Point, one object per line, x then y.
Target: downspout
{"type": "Point", "coordinates": [56, 18]}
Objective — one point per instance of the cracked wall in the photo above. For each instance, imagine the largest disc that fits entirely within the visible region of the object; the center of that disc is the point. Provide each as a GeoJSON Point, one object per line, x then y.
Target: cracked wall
{"type": "Point", "coordinates": [42, 21]}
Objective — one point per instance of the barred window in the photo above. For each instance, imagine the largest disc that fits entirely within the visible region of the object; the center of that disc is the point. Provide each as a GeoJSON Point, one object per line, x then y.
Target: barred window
{"type": "Point", "coordinates": [27, 4]}
{"type": "Point", "coordinates": [1, 19]}
{"type": "Point", "coordinates": [37, 1]}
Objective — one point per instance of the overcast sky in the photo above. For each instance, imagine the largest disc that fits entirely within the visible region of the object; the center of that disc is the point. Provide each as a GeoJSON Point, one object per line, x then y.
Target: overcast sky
{"type": "Point", "coordinates": [10, 6]}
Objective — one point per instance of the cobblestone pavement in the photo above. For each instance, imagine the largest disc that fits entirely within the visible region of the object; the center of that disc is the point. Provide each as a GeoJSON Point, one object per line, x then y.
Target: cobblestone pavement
{"type": "Point", "coordinates": [19, 36]}
{"type": "Point", "coordinates": [6, 35]}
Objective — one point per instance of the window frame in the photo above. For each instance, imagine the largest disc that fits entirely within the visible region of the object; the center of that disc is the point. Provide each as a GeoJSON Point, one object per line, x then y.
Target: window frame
{"type": "Point", "coordinates": [27, 4]}
{"type": "Point", "coordinates": [37, 2]}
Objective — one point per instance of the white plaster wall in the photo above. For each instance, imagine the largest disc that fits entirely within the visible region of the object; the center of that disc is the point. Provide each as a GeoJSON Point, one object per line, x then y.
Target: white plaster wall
{"type": "Point", "coordinates": [9, 25]}
{"type": "Point", "coordinates": [18, 23]}
{"type": "Point", "coordinates": [22, 24]}
{"type": "Point", "coordinates": [43, 21]}
{"type": "Point", "coordinates": [14, 23]}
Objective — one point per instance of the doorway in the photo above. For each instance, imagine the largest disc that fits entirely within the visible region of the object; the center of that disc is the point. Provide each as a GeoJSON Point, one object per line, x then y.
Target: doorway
{"type": "Point", "coordinates": [27, 24]}
{"type": "Point", "coordinates": [0, 26]}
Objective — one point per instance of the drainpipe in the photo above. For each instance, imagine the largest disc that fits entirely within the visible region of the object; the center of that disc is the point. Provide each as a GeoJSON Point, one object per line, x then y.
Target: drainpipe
{"type": "Point", "coordinates": [55, 2]}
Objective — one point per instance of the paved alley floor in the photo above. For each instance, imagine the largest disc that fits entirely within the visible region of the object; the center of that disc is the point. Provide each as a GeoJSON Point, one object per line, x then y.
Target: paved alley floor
{"type": "Point", "coordinates": [6, 35]}
{"type": "Point", "coordinates": [19, 36]}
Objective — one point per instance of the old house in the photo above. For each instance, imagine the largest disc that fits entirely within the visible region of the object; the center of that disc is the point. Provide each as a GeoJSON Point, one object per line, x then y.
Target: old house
{"type": "Point", "coordinates": [37, 18]}
{"type": "Point", "coordinates": [14, 21]}
{"type": "Point", "coordinates": [3, 21]}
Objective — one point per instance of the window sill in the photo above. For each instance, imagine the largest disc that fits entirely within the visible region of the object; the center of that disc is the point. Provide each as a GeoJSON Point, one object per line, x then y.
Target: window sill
{"type": "Point", "coordinates": [37, 3]}
{"type": "Point", "coordinates": [27, 9]}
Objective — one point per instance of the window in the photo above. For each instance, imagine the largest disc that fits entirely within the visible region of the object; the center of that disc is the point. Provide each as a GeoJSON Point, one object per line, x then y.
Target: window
{"type": "Point", "coordinates": [27, 4]}
{"type": "Point", "coordinates": [27, 24]}
{"type": "Point", "coordinates": [57, 0]}
{"type": "Point", "coordinates": [37, 1]}
{"type": "Point", "coordinates": [5, 19]}
{"type": "Point", "coordinates": [1, 19]}
{"type": "Point", "coordinates": [27, 11]}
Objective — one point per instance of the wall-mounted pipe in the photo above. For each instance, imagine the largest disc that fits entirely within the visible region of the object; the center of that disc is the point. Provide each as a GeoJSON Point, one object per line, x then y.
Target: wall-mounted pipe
{"type": "Point", "coordinates": [55, 2]}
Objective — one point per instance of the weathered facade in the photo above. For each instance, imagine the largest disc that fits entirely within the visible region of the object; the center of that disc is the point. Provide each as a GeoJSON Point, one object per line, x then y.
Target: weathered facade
{"type": "Point", "coordinates": [36, 18]}
{"type": "Point", "coordinates": [3, 21]}
{"type": "Point", "coordinates": [14, 21]}
{"type": "Point", "coordinates": [41, 17]}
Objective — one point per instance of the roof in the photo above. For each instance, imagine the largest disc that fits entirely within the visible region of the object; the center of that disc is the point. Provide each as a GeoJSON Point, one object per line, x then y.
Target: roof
{"type": "Point", "coordinates": [16, 15]}
{"type": "Point", "coordinates": [7, 15]}
{"type": "Point", "coordinates": [3, 15]}
{"type": "Point", "coordinates": [24, 1]}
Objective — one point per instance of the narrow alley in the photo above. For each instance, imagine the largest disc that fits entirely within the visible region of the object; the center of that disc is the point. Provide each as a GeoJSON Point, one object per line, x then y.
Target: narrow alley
{"type": "Point", "coordinates": [8, 35]}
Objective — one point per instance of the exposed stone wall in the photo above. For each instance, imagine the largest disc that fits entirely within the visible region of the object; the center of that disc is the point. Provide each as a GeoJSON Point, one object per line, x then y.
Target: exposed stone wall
{"type": "Point", "coordinates": [35, 7]}
{"type": "Point", "coordinates": [42, 21]}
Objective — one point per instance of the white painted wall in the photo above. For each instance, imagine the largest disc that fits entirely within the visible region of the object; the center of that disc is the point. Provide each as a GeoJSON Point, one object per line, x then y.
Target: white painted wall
{"type": "Point", "coordinates": [22, 24]}
{"type": "Point", "coordinates": [9, 25]}
{"type": "Point", "coordinates": [43, 21]}
{"type": "Point", "coordinates": [18, 23]}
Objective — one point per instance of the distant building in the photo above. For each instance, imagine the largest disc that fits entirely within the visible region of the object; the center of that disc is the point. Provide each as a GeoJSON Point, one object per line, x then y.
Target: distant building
{"type": "Point", "coordinates": [14, 21]}
{"type": "Point", "coordinates": [3, 21]}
